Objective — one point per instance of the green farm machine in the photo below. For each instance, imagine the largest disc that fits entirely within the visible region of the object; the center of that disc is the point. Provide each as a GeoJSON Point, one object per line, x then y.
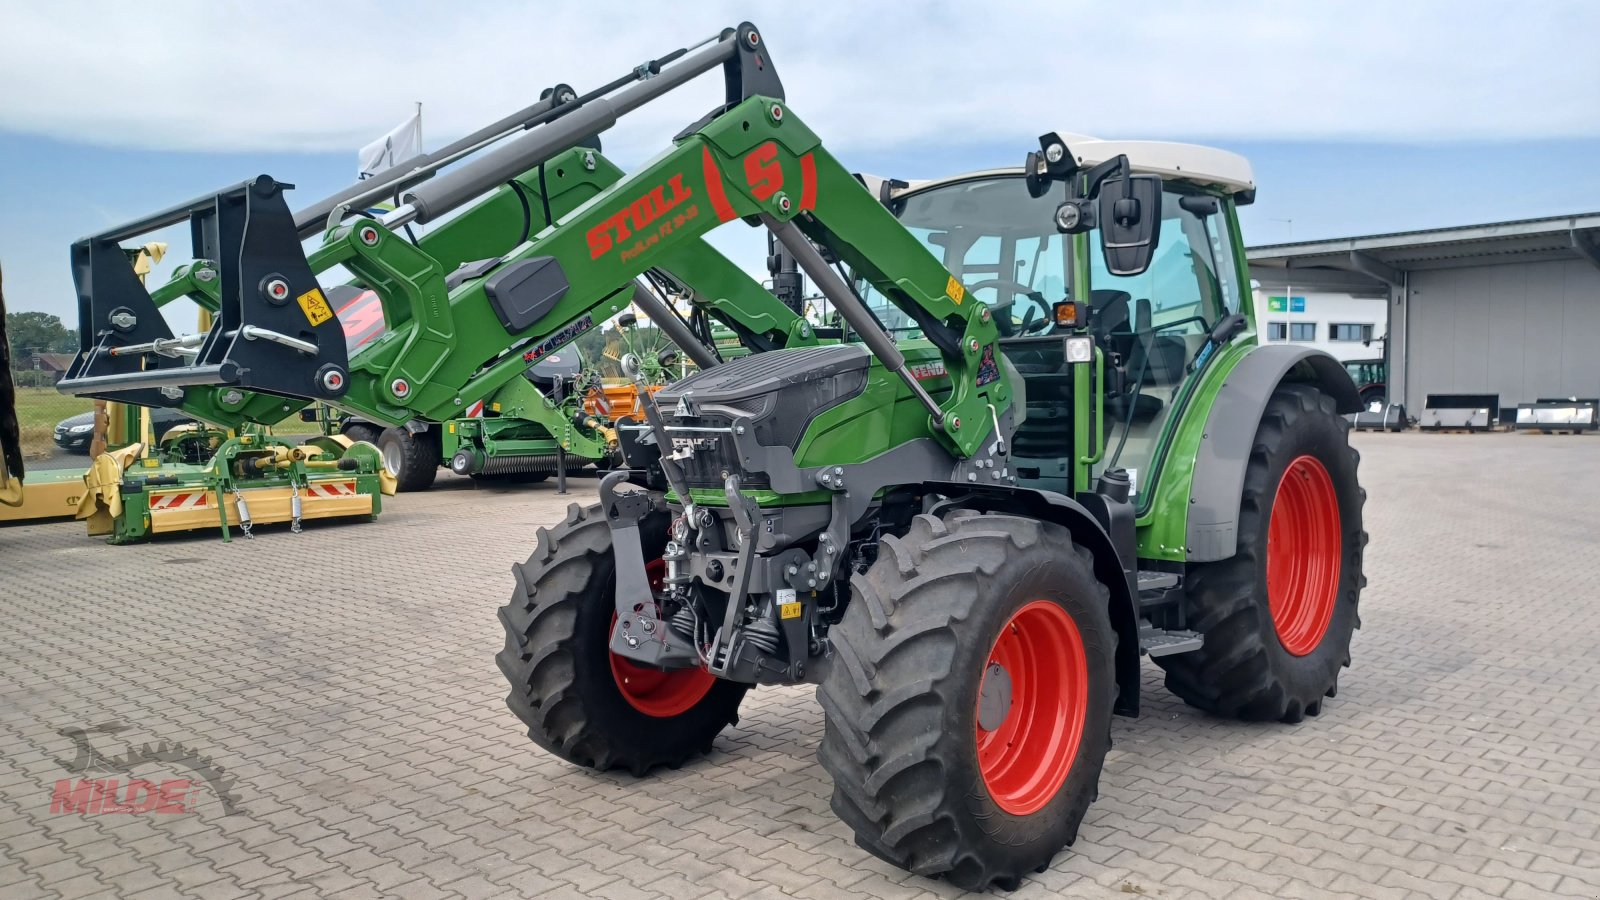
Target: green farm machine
{"type": "Point", "coordinates": [1044, 443]}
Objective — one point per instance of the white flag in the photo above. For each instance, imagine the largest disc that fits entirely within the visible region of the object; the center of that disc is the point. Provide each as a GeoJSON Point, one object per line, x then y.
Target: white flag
{"type": "Point", "coordinates": [399, 145]}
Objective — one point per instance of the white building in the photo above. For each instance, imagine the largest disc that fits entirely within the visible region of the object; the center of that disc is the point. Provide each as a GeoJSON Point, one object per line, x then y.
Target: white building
{"type": "Point", "coordinates": [1345, 325]}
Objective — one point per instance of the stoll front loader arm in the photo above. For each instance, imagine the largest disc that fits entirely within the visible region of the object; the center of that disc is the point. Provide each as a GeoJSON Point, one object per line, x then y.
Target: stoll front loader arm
{"type": "Point", "coordinates": [127, 343]}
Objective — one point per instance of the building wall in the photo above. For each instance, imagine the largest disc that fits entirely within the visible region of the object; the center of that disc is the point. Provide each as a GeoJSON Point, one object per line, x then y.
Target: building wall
{"type": "Point", "coordinates": [1322, 309]}
{"type": "Point", "coordinates": [1520, 330]}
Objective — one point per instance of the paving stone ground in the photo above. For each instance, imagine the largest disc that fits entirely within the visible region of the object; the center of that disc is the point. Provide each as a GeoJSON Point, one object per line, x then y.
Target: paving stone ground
{"type": "Point", "coordinates": [344, 681]}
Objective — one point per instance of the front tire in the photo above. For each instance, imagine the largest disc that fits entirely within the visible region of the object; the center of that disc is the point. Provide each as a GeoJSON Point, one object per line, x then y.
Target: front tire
{"type": "Point", "coordinates": [968, 708]}
{"type": "Point", "coordinates": [579, 700]}
{"type": "Point", "coordinates": [1278, 616]}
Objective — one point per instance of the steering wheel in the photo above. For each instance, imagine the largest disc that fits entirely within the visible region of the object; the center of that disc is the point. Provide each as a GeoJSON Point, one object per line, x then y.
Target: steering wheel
{"type": "Point", "coordinates": [1040, 310]}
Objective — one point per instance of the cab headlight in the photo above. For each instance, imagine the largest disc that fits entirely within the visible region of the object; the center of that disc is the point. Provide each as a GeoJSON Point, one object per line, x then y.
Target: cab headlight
{"type": "Point", "coordinates": [1080, 349]}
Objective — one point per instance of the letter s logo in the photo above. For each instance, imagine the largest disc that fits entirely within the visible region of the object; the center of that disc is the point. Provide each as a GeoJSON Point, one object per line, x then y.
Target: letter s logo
{"type": "Point", "coordinates": [599, 240]}
{"type": "Point", "coordinates": [762, 171]}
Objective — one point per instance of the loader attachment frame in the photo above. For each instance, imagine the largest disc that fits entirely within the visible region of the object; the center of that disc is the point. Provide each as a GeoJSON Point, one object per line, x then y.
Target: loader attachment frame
{"type": "Point", "coordinates": [274, 331]}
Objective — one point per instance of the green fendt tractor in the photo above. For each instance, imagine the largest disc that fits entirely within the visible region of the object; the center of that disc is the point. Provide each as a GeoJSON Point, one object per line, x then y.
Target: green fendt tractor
{"type": "Point", "coordinates": [1046, 444]}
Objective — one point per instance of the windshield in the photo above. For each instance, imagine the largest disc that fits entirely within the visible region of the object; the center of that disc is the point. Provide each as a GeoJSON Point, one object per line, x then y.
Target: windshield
{"type": "Point", "coordinates": [1003, 245]}
{"type": "Point", "coordinates": [1000, 242]}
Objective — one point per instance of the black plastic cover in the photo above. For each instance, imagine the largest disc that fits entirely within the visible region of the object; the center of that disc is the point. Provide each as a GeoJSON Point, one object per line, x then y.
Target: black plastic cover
{"type": "Point", "coordinates": [524, 292]}
{"type": "Point", "coordinates": [780, 392]}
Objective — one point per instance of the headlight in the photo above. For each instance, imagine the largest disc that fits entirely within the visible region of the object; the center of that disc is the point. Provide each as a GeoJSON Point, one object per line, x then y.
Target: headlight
{"type": "Point", "coordinates": [1080, 349]}
{"type": "Point", "coordinates": [80, 429]}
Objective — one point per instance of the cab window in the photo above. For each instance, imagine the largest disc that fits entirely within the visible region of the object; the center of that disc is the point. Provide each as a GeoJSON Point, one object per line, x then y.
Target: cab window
{"type": "Point", "coordinates": [1156, 322]}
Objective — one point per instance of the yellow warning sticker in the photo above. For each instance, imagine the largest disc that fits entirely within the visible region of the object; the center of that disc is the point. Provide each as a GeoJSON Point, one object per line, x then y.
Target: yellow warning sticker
{"type": "Point", "coordinates": [789, 610]}
{"type": "Point", "coordinates": [315, 306]}
{"type": "Point", "coordinates": [955, 290]}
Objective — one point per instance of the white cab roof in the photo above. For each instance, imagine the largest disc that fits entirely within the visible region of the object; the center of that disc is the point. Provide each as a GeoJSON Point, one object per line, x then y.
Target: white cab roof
{"type": "Point", "coordinates": [1190, 162]}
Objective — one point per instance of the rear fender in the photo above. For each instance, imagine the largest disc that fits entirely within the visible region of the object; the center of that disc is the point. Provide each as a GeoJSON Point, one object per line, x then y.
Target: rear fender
{"type": "Point", "coordinates": [1215, 490]}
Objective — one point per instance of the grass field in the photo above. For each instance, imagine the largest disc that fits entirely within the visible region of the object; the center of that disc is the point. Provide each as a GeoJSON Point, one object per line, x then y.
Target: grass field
{"type": "Point", "coordinates": [38, 411]}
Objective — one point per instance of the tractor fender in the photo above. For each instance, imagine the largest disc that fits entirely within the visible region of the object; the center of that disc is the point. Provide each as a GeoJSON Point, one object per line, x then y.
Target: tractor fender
{"type": "Point", "coordinates": [1109, 567]}
{"type": "Point", "coordinates": [1212, 529]}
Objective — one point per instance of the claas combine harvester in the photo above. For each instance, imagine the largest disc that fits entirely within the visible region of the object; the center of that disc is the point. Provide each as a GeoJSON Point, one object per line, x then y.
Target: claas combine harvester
{"type": "Point", "coordinates": [1046, 443]}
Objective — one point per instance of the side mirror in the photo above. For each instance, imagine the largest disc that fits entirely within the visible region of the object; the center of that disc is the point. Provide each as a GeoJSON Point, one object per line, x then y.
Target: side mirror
{"type": "Point", "coordinates": [1130, 222]}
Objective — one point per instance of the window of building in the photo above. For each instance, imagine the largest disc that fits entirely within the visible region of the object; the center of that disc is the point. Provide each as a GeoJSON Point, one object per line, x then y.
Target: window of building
{"type": "Point", "coordinates": [1277, 331]}
{"type": "Point", "coordinates": [1338, 331]}
{"type": "Point", "coordinates": [1302, 331]}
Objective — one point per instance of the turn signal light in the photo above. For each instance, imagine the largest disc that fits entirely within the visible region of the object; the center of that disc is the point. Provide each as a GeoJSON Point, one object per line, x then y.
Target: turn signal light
{"type": "Point", "coordinates": [1067, 314]}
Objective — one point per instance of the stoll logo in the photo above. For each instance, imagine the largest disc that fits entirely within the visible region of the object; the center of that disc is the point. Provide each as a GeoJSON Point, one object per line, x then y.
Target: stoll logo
{"type": "Point", "coordinates": [164, 779]}
{"type": "Point", "coordinates": [632, 220]}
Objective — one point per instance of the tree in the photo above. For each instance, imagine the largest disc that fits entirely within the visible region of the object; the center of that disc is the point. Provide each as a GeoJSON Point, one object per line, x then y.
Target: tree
{"type": "Point", "coordinates": [37, 332]}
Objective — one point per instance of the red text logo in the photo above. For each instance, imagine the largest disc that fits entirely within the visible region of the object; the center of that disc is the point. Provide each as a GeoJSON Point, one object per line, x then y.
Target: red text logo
{"type": "Point", "coordinates": [762, 171]}
{"type": "Point", "coordinates": [109, 796]}
{"type": "Point", "coordinates": [636, 216]}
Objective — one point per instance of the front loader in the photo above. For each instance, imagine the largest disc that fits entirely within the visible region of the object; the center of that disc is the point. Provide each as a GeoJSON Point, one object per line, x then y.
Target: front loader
{"type": "Point", "coordinates": [429, 366]}
{"type": "Point", "coordinates": [1047, 444]}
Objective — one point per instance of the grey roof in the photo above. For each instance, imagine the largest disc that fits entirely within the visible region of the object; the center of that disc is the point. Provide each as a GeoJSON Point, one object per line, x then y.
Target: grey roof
{"type": "Point", "coordinates": [1383, 257]}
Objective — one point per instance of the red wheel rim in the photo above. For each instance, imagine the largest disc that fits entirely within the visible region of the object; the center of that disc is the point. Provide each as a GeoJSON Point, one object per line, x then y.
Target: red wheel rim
{"type": "Point", "coordinates": [654, 692]}
{"type": "Point", "coordinates": [1025, 758]}
{"type": "Point", "coordinates": [1303, 549]}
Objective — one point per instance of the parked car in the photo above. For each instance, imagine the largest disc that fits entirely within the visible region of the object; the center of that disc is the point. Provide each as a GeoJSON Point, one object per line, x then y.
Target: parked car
{"type": "Point", "coordinates": [73, 434]}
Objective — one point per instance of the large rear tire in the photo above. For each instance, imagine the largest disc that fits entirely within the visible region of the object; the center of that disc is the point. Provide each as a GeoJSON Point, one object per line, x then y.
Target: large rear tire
{"type": "Point", "coordinates": [968, 707]}
{"type": "Point", "coordinates": [361, 431]}
{"type": "Point", "coordinates": [579, 700]}
{"type": "Point", "coordinates": [1278, 616]}
{"type": "Point", "coordinates": [411, 457]}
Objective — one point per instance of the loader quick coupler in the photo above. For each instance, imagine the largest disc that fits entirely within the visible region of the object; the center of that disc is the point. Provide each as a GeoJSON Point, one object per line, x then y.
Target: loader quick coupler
{"type": "Point", "coordinates": [275, 330]}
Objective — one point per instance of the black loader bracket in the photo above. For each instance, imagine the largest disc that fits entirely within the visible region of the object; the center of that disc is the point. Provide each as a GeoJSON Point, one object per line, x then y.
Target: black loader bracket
{"type": "Point", "coordinates": [275, 330]}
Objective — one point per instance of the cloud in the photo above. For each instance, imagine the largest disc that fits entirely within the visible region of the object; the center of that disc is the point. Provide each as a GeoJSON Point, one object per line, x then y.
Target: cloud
{"type": "Point", "coordinates": [316, 76]}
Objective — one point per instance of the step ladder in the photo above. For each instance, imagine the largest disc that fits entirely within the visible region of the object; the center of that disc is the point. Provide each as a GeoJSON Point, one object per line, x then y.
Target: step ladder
{"type": "Point", "coordinates": [1161, 591]}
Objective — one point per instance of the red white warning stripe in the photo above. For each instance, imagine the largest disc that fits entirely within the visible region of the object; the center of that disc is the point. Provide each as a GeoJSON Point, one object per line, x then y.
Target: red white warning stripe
{"type": "Point", "coordinates": [475, 410]}
{"type": "Point", "coordinates": [180, 500]}
{"type": "Point", "coordinates": [331, 489]}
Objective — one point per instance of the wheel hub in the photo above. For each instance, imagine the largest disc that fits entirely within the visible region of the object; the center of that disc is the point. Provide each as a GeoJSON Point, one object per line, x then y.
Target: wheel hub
{"type": "Point", "coordinates": [391, 458]}
{"type": "Point", "coordinates": [994, 699]}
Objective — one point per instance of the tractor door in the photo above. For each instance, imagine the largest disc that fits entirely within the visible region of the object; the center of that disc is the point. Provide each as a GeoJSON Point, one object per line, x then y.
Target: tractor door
{"type": "Point", "coordinates": [1155, 324]}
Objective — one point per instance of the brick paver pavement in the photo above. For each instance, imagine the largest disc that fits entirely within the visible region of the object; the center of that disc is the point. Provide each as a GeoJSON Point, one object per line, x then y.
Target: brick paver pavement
{"type": "Point", "coordinates": [344, 680]}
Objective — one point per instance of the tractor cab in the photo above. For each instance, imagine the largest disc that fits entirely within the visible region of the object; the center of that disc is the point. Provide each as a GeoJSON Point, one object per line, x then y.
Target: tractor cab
{"type": "Point", "coordinates": [1001, 236]}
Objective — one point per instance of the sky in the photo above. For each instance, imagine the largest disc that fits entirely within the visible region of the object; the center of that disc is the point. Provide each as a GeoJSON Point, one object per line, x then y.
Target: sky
{"type": "Point", "coordinates": [1359, 117]}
